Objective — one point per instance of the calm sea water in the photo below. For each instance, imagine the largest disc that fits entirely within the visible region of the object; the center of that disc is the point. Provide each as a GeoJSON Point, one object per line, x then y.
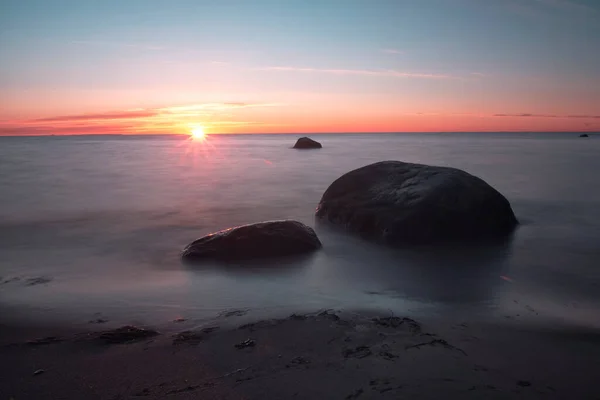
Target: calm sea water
{"type": "Point", "coordinates": [92, 226]}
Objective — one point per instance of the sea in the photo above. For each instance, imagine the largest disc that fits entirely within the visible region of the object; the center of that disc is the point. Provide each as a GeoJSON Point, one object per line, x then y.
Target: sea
{"type": "Point", "coordinates": [91, 229]}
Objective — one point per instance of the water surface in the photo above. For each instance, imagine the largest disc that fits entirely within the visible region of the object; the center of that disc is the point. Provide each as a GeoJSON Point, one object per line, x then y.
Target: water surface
{"type": "Point", "coordinates": [93, 226]}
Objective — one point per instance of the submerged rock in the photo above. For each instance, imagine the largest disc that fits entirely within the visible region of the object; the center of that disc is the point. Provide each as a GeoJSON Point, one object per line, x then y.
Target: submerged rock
{"type": "Point", "coordinates": [261, 240]}
{"type": "Point", "coordinates": [400, 202]}
{"type": "Point", "coordinates": [307, 143]}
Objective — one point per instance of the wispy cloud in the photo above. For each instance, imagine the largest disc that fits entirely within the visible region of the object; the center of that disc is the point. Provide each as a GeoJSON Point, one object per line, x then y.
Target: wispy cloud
{"type": "Point", "coordinates": [567, 5]}
{"type": "Point", "coordinates": [215, 107]}
{"type": "Point", "coordinates": [548, 116]}
{"type": "Point", "coordinates": [103, 116]}
{"type": "Point", "coordinates": [173, 119]}
{"type": "Point", "coordinates": [549, 9]}
{"type": "Point", "coordinates": [141, 46]}
{"type": "Point", "coordinates": [363, 72]}
{"type": "Point", "coordinates": [392, 51]}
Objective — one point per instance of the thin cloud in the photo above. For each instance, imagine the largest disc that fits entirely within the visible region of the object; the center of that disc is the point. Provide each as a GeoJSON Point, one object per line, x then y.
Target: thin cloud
{"type": "Point", "coordinates": [363, 72]}
{"type": "Point", "coordinates": [118, 44]}
{"type": "Point", "coordinates": [71, 130]}
{"type": "Point", "coordinates": [190, 109]}
{"type": "Point", "coordinates": [103, 116]}
{"type": "Point", "coordinates": [153, 120]}
{"type": "Point", "coordinates": [548, 116]}
{"type": "Point", "coordinates": [215, 107]}
{"type": "Point", "coordinates": [548, 9]}
{"type": "Point", "coordinates": [567, 5]}
{"type": "Point", "coordinates": [392, 51]}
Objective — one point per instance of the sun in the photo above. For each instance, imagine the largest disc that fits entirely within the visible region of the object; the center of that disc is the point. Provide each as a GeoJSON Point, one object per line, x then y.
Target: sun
{"type": "Point", "coordinates": [198, 133]}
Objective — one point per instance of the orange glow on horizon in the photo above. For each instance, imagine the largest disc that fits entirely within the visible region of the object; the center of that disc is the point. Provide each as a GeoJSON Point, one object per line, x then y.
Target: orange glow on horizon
{"type": "Point", "coordinates": [303, 117]}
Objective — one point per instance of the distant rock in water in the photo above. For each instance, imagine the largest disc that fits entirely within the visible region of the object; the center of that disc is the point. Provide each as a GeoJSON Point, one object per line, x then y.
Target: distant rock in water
{"type": "Point", "coordinates": [307, 143]}
{"type": "Point", "coordinates": [261, 240]}
{"type": "Point", "coordinates": [584, 135]}
{"type": "Point", "coordinates": [398, 202]}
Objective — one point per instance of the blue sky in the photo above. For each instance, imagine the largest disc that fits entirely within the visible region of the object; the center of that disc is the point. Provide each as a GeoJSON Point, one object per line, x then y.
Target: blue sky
{"type": "Point", "coordinates": [388, 57]}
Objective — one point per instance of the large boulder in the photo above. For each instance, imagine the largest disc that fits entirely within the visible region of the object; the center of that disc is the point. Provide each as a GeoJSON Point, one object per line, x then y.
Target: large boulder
{"type": "Point", "coordinates": [398, 202]}
{"type": "Point", "coordinates": [261, 240]}
{"type": "Point", "coordinates": [307, 143]}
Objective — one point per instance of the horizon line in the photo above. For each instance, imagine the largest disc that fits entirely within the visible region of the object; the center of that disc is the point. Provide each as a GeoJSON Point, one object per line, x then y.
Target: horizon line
{"type": "Point", "coordinates": [289, 133]}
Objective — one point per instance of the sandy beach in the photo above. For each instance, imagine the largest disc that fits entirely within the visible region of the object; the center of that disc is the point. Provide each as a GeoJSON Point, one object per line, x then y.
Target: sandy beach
{"type": "Point", "coordinates": [322, 355]}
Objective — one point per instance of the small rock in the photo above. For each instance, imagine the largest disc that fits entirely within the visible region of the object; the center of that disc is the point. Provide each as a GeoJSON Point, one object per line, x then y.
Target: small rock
{"type": "Point", "coordinates": [523, 383]}
{"type": "Point", "coordinates": [38, 372]}
{"type": "Point", "coordinates": [245, 343]}
{"type": "Point", "coordinates": [307, 143]}
{"type": "Point", "coordinates": [270, 239]}
{"type": "Point", "coordinates": [179, 320]}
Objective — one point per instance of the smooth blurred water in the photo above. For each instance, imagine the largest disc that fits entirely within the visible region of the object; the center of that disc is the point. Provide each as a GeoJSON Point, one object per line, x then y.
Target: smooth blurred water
{"type": "Point", "coordinates": [104, 218]}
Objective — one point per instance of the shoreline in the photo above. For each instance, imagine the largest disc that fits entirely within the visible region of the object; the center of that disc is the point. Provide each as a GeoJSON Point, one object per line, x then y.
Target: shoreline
{"type": "Point", "coordinates": [324, 354]}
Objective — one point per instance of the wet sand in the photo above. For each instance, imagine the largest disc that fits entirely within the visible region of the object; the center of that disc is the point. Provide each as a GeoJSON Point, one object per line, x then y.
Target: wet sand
{"type": "Point", "coordinates": [324, 355]}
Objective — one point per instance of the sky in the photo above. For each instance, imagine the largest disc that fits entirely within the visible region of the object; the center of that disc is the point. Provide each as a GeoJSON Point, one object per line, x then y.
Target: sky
{"type": "Point", "coordinates": [298, 66]}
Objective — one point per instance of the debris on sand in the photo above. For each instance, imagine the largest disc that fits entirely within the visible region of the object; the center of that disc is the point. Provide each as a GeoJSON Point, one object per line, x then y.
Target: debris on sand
{"type": "Point", "coordinates": [435, 342]}
{"type": "Point", "coordinates": [298, 361]}
{"type": "Point", "coordinates": [397, 322]}
{"type": "Point", "coordinates": [125, 334]}
{"type": "Point", "coordinates": [44, 341]}
{"type": "Point", "coordinates": [40, 280]}
{"type": "Point", "coordinates": [193, 337]}
{"type": "Point", "coordinates": [253, 326]}
{"type": "Point", "coordinates": [188, 337]}
{"type": "Point", "coordinates": [358, 352]}
{"type": "Point", "coordinates": [245, 343]}
{"type": "Point", "coordinates": [233, 313]}
{"type": "Point", "coordinates": [355, 395]}
{"type": "Point", "coordinates": [98, 321]}
{"type": "Point", "coordinates": [387, 355]}
{"type": "Point", "coordinates": [329, 314]}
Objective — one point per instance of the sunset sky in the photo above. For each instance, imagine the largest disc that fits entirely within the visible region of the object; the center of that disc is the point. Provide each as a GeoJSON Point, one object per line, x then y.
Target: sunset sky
{"type": "Point", "coordinates": [271, 66]}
